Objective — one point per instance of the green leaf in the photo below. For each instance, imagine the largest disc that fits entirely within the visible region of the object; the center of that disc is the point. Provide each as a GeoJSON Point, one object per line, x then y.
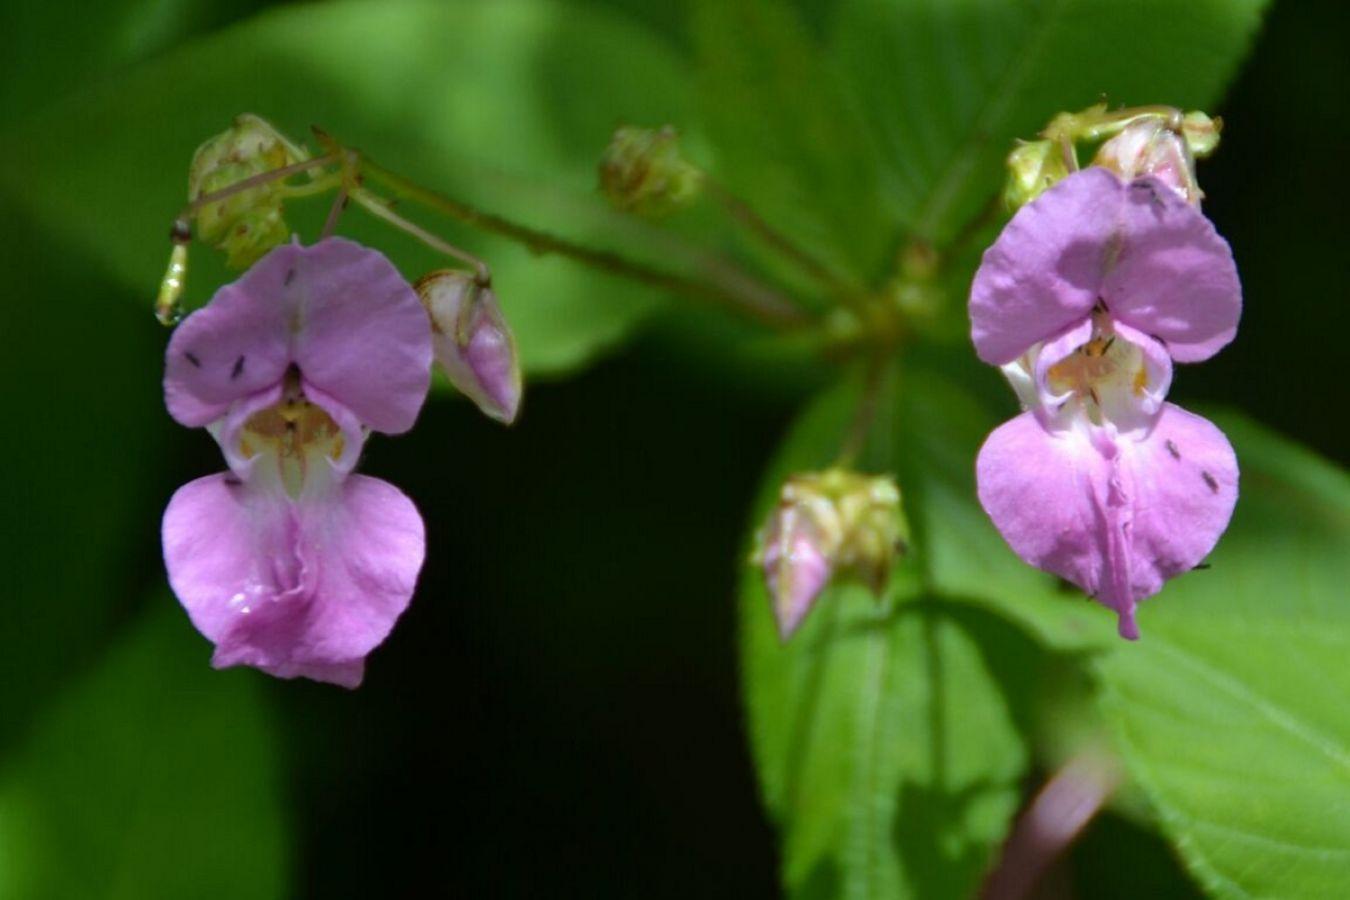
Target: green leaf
{"type": "Point", "coordinates": [1231, 709]}
{"type": "Point", "coordinates": [154, 776]}
{"type": "Point", "coordinates": [105, 37]}
{"type": "Point", "coordinates": [80, 385]}
{"type": "Point", "coordinates": [888, 737]}
{"type": "Point", "coordinates": [461, 97]}
{"type": "Point", "coordinates": [948, 86]}
{"type": "Point", "coordinates": [788, 139]}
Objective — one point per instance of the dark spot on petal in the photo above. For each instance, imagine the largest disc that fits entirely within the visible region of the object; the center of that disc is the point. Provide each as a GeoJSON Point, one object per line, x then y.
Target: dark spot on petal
{"type": "Point", "coordinates": [1210, 480]}
{"type": "Point", "coordinates": [290, 276]}
{"type": "Point", "coordinates": [192, 358]}
{"type": "Point", "coordinates": [1148, 187]}
{"type": "Point", "coordinates": [232, 481]}
{"type": "Point", "coordinates": [1172, 449]}
{"type": "Point", "coordinates": [238, 368]}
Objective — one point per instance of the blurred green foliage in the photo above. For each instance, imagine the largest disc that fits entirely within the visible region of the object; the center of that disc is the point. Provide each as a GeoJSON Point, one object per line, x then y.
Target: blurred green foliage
{"type": "Point", "coordinates": [556, 716]}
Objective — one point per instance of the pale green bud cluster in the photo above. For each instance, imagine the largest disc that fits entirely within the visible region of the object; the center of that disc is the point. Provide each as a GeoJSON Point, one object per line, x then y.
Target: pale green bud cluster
{"type": "Point", "coordinates": [858, 519]}
{"type": "Point", "coordinates": [643, 172]}
{"type": "Point", "coordinates": [1033, 166]}
{"type": "Point", "coordinates": [249, 223]}
{"type": "Point", "coordinates": [1157, 141]}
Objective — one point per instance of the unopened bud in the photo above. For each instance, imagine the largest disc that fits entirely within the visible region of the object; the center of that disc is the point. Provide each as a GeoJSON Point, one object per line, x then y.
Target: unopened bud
{"type": "Point", "coordinates": [1201, 133]}
{"type": "Point", "coordinates": [1033, 166]}
{"type": "Point", "coordinates": [472, 342]}
{"type": "Point", "coordinates": [248, 224]}
{"type": "Point", "coordinates": [828, 523]}
{"type": "Point", "coordinates": [800, 543]}
{"type": "Point", "coordinates": [642, 172]}
{"type": "Point", "coordinates": [1149, 147]}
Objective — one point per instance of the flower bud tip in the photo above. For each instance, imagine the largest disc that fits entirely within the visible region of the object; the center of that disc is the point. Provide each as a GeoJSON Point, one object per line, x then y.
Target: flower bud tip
{"type": "Point", "coordinates": [473, 343]}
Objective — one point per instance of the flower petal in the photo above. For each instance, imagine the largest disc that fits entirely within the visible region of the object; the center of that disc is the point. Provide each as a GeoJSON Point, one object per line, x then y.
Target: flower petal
{"type": "Point", "coordinates": [1116, 516]}
{"type": "Point", "coordinates": [365, 339]}
{"type": "Point", "coordinates": [1045, 271]}
{"type": "Point", "coordinates": [235, 346]}
{"type": "Point", "coordinates": [796, 567]}
{"type": "Point", "coordinates": [340, 312]}
{"type": "Point", "coordinates": [295, 590]}
{"type": "Point", "coordinates": [1174, 277]}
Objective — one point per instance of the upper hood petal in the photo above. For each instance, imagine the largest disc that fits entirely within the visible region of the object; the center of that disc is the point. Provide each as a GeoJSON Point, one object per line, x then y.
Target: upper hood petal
{"type": "Point", "coordinates": [339, 311]}
{"type": "Point", "coordinates": [1045, 271]}
{"type": "Point", "coordinates": [1174, 277]}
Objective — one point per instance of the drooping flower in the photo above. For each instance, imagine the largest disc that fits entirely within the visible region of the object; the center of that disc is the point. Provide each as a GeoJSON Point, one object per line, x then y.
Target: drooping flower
{"type": "Point", "coordinates": [472, 342]}
{"type": "Point", "coordinates": [290, 562]}
{"type": "Point", "coordinates": [1085, 300]}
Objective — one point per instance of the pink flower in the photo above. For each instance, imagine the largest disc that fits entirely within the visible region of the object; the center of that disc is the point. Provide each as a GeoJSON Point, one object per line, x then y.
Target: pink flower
{"type": "Point", "coordinates": [1085, 299]}
{"type": "Point", "coordinates": [289, 562]}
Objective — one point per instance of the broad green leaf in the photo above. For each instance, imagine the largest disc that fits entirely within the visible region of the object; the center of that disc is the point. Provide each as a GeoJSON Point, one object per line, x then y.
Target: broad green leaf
{"type": "Point", "coordinates": [80, 385]}
{"type": "Point", "coordinates": [788, 139]}
{"type": "Point", "coordinates": [154, 776]}
{"type": "Point", "coordinates": [104, 37]}
{"type": "Point", "coordinates": [465, 98]}
{"type": "Point", "coordinates": [1231, 709]}
{"type": "Point", "coordinates": [885, 738]}
{"type": "Point", "coordinates": [947, 86]}
{"type": "Point", "coordinates": [888, 737]}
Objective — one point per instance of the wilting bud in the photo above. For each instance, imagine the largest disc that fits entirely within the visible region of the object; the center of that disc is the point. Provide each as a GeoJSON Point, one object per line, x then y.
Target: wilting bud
{"type": "Point", "coordinates": [472, 341]}
{"type": "Point", "coordinates": [1033, 166]}
{"type": "Point", "coordinates": [642, 172]}
{"type": "Point", "coordinates": [828, 523]}
{"type": "Point", "coordinates": [1150, 147]}
{"type": "Point", "coordinates": [247, 224]}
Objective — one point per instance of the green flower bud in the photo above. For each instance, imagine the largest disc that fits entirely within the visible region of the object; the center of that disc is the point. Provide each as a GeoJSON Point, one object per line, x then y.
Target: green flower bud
{"type": "Point", "coordinates": [1033, 166]}
{"type": "Point", "coordinates": [642, 171]}
{"type": "Point", "coordinates": [247, 224]}
{"type": "Point", "coordinates": [1201, 133]}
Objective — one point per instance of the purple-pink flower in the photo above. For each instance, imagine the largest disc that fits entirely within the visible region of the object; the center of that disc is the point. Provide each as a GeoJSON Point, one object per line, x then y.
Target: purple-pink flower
{"type": "Point", "coordinates": [290, 562]}
{"type": "Point", "coordinates": [1086, 299]}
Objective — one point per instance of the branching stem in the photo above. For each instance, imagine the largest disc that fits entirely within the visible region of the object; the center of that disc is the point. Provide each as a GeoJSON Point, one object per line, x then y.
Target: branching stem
{"type": "Point", "coordinates": [732, 290]}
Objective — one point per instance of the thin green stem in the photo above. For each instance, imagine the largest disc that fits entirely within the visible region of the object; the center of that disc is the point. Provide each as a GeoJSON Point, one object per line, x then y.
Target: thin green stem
{"type": "Point", "coordinates": [334, 213]}
{"type": "Point", "coordinates": [730, 288]}
{"type": "Point", "coordinates": [253, 181]}
{"type": "Point", "coordinates": [742, 212]}
{"type": "Point", "coordinates": [865, 415]}
{"type": "Point", "coordinates": [380, 208]}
